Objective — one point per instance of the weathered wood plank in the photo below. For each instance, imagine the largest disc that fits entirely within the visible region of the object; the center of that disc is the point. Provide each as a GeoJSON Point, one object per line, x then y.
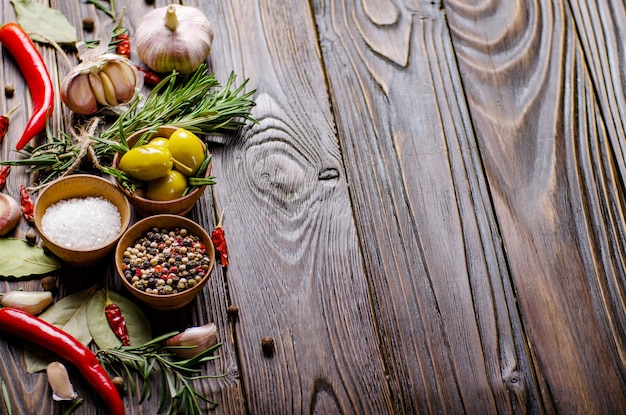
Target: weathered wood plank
{"type": "Point", "coordinates": [547, 153]}
{"type": "Point", "coordinates": [600, 26]}
{"type": "Point", "coordinates": [296, 269]}
{"type": "Point", "coordinates": [452, 338]}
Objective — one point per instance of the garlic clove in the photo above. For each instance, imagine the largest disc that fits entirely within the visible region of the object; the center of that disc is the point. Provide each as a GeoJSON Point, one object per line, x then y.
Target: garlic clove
{"type": "Point", "coordinates": [77, 94]}
{"type": "Point", "coordinates": [32, 302]}
{"type": "Point", "coordinates": [59, 380]}
{"type": "Point", "coordinates": [109, 89]}
{"type": "Point", "coordinates": [97, 88]}
{"type": "Point", "coordinates": [123, 79]}
{"type": "Point", "coordinates": [10, 213]}
{"type": "Point", "coordinates": [201, 337]}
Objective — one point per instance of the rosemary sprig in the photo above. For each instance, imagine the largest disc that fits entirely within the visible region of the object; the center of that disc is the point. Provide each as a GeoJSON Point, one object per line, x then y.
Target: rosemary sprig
{"type": "Point", "coordinates": [196, 102]}
{"type": "Point", "coordinates": [177, 376]}
{"type": "Point", "coordinates": [110, 11]}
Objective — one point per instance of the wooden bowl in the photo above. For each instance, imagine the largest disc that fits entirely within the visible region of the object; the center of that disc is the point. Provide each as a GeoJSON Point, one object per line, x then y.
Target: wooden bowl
{"type": "Point", "coordinates": [148, 207]}
{"type": "Point", "coordinates": [81, 186]}
{"type": "Point", "coordinates": [166, 221]}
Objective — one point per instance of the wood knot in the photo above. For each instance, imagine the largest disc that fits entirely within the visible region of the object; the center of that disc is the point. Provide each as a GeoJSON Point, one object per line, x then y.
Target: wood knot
{"type": "Point", "coordinates": [329, 176]}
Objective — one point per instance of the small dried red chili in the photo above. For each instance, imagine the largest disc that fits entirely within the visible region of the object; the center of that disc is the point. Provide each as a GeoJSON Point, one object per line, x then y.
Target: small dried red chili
{"type": "Point", "coordinates": [34, 70]}
{"type": "Point", "coordinates": [47, 336]}
{"type": "Point", "coordinates": [4, 173]}
{"type": "Point", "coordinates": [117, 322]}
{"type": "Point", "coordinates": [218, 237]}
{"type": "Point", "coordinates": [4, 122]}
{"type": "Point", "coordinates": [26, 202]}
{"type": "Point", "coordinates": [149, 77]}
{"type": "Point", "coordinates": [123, 45]}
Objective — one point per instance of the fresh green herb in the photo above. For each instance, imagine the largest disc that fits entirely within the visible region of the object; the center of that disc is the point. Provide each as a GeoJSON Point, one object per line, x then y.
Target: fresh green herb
{"type": "Point", "coordinates": [6, 398]}
{"type": "Point", "coordinates": [110, 11]}
{"type": "Point", "coordinates": [75, 404]}
{"type": "Point", "coordinates": [20, 259]}
{"type": "Point", "coordinates": [197, 102]}
{"type": "Point", "coordinates": [177, 376]}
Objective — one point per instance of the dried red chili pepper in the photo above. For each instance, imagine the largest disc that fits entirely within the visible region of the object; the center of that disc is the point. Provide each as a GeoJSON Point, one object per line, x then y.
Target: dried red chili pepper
{"type": "Point", "coordinates": [123, 45]}
{"type": "Point", "coordinates": [218, 237]}
{"type": "Point", "coordinates": [4, 122]}
{"type": "Point", "coordinates": [47, 336]}
{"type": "Point", "coordinates": [117, 322]}
{"type": "Point", "coordinates": [26, 202]}
{"type": "Point", "coordinates": [4, 173]}
{"type": "Point", "coordinates": [34, 70]}
{"type": "Point", "coordinates": [149, 77]}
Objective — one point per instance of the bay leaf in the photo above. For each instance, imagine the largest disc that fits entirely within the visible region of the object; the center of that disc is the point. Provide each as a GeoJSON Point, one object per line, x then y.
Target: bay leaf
{"type": "Point", "coordinates": [139, 330]}
{"type": "Point", "coordinates": [38, 18]}
{"type": "Point", "coordinates": [19, 259]}
{"type": "Point", "coordinates": [68, 314]}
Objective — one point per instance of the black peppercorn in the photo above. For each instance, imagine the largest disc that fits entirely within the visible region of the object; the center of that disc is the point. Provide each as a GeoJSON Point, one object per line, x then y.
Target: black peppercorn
{"type": "Point", "coordinates": [9, 90]}
{"type": "Point", "coordinates": [267, 344]}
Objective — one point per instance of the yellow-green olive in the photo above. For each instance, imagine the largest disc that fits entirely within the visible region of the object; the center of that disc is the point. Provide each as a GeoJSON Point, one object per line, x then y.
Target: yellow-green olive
{"type": "Point", "coordinates": [169, 187]}
{"type": "Point", "coordinates": [159, 142]}
{"type": "Point", "coordinates": [146, 162]}
{"type": "Point", "coordinates": [187, 149]}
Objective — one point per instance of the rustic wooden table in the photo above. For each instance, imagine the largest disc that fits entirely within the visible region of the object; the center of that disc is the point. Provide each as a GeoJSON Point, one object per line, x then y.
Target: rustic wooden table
{"type": "Point", "coordinates": [428, 217]}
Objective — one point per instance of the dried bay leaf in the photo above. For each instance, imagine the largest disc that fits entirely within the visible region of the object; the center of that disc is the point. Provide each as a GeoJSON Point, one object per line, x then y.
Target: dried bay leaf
{"type": "Point", "coordinates": [37, 18]}
{"type": "Point", "coordinates": [68, 314]}
{"type": "Point", "coordinates": [19, 259]}
{"type": "Point", "coordinates": [139, 330]}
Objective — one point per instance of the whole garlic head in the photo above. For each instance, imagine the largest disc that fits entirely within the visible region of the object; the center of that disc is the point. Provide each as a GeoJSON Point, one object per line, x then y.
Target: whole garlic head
{"type": "Point", "coordinates": [107, 81]}
{"type": "Point", "coordinates": [174, 38]}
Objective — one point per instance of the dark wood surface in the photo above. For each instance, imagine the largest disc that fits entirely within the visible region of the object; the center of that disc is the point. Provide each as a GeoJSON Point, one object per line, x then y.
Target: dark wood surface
{"type": "Point", "coordinates": [428, 217]}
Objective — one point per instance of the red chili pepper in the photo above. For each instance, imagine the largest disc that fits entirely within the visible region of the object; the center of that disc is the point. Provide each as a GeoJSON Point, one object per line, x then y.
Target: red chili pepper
{"type": "Point", "coordinates": [218, 237]}
{"type": "Point", "coordinates": [123, 45]}
{"type": "Point", "coordinates": [26, 202]}
{"type": "Point", "coordinates": [149, 77]}
{"type": "Point", "coordinates": [117, 322]}
{"type": "Point", "coordinates": [34, 70]}
{"type": "Point", "coordinates": [47, 336]}
{"type": "Point", "coordinates": [4, 122]}
{"type": "Point", "coordinates": [4, 173]}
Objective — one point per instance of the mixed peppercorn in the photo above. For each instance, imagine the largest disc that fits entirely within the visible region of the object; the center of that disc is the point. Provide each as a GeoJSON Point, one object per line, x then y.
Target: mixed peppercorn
{"type": "Point", "coordinates": [166, 261]}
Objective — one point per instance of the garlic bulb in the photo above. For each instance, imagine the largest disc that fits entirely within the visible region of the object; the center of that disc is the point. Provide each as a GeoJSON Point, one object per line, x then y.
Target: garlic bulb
{"type": "Point", "coordinates": [105, 81]}
{"type": "Point", "coordinates": [174, 38]}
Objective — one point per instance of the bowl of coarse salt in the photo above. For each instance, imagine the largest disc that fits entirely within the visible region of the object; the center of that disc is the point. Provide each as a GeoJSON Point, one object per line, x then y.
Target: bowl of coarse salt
{"type": "Point", "coordinates": [81, 217]}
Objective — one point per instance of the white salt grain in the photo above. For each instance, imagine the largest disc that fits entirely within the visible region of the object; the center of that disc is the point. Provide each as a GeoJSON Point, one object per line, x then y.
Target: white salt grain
{"type": "Point", "coordinates": [82, 223]}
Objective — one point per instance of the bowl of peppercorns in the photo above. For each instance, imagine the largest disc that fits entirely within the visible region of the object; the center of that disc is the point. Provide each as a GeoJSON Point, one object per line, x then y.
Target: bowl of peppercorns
{"type": "Point", "coordinates": [165, 260]}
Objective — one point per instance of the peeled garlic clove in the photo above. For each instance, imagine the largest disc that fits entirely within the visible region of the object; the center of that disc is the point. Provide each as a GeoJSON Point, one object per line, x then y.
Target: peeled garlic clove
{"type": "Point", "coordinates": [10, 213]}
{"type": "Point", "coordinates": [109, 90]}
{"type": "Point", "coordinates": [201, 337]}
{"type": "Point", "coordinates": [77, 94]}
{"type": "Point", "coordinates": [97, 88]}
{"type": "Point", "coordinates": [32, 302]}
{"type": "Point", "coordinates": [59, 380]}
{"type": "Point", "coordinates": [123, 79]}
{"type": "Point", "coordinates": [174, 37]}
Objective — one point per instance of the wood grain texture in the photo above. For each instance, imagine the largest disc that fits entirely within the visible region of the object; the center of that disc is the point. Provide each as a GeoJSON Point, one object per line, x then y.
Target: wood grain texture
{"type": "Point", "coordinates": [453, 339]}
{"type": "Point", "coordinates": [296, 270]}
{"type": "Point", "coordinates": [427, 218]}
{"type": "Point", "coordinates": [546, 154]}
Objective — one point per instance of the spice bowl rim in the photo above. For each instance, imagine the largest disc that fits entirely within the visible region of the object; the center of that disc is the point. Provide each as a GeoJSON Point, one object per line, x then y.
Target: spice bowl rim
{"type": "Point", "coordinates": [135, 231]}
{"type": "Point", "coordinates": [149, 207]}
{"type": "Point", "coordinates": [81, 256]}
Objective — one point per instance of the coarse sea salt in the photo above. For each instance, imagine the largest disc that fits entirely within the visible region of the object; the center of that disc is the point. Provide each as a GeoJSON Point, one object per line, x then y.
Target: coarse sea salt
{"type": "Point", "coordinates": [81, 223]}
